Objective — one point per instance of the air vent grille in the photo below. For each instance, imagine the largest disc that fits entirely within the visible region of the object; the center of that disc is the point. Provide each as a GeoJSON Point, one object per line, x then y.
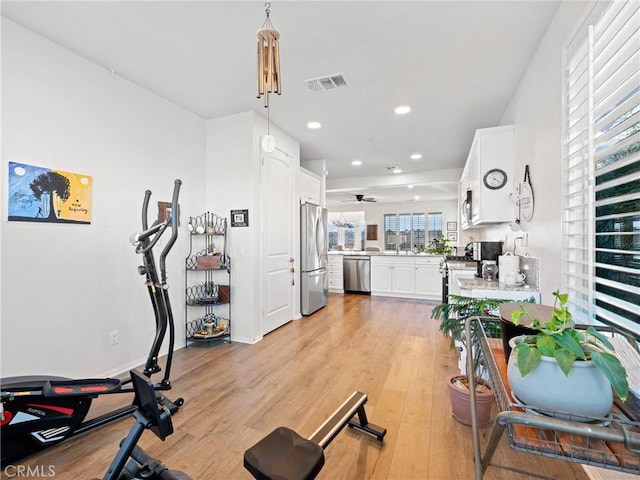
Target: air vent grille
{"type": "Point", "coordinates": [330, 82]}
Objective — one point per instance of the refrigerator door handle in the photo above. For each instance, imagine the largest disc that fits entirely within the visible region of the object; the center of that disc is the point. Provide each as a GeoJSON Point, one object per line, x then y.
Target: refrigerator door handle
{"type": "Point", "coordinates": [317, 273]}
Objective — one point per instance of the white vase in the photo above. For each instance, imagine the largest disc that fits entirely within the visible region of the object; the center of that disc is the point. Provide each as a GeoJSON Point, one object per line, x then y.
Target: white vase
{"type": "Point", "coordinates": [585, 393]}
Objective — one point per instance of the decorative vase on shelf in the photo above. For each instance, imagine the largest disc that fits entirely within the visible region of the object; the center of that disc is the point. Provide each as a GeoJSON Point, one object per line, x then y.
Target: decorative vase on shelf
{"type": "Point", "coordinates": [585, 393]}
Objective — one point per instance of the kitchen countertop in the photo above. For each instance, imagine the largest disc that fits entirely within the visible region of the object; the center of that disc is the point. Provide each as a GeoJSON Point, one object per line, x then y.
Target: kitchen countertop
{"type": "Point", "coordinates": [386, 254]}
{"type": "Point", "coordinates": [479, 283]}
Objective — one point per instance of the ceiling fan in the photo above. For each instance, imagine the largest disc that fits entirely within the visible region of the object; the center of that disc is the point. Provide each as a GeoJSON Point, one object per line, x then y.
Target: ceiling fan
{"type": "Point", "coordinates": [361, 198]}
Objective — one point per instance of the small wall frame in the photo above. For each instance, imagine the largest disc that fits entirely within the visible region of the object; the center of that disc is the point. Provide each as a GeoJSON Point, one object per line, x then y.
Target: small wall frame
{"type": "Point", "coordinates": [372, 232]}
{"type": "Point", "coordinates": [164, 212]}
{"type": "Point", "coordinates": [239, 218]}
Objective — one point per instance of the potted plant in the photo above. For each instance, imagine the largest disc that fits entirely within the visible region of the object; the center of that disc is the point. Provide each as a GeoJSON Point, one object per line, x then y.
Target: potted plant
{"type": "Point", "coordinates": [440, 246]}
{"type": "Point", "coordinates": [565, 369]}
{"type": "Point", "coordinates": [452, 318]}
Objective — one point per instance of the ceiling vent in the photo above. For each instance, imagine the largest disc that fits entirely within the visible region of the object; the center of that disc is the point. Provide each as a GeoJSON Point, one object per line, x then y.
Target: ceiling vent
{"type": "Point", "coordinates": [330, 82]}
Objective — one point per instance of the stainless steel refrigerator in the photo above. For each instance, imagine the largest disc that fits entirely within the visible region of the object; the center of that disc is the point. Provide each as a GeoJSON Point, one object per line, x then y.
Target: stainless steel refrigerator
{"type": "Point", "coordinates": [313, 258]}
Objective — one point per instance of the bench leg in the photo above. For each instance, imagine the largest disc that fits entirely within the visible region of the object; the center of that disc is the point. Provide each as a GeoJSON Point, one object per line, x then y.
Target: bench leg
{"type": "Point", "coordinates": [363, 424]}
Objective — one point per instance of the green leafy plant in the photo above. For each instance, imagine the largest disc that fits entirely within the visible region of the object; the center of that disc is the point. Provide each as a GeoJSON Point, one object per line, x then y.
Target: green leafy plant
{"type": "Point", "coordinates": [440, 246]}
{"type": "Point", "coordinates": [558, 338]}
{"type": "Point", "coordinates": [452, 318]}
{"type": "Point", "coordinates": [452, 315]}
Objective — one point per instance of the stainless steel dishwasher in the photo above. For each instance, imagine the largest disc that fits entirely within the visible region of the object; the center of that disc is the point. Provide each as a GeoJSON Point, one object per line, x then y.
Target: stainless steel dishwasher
{"type": "Point", "coordinates": [357, 270]}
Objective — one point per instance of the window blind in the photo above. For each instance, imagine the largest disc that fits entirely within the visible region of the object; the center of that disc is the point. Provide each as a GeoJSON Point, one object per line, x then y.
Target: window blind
{"type": "Point", "coordinates": [404, 230]}
{"type": "Point", "coordinates": [390, 228]}
{"type": "Point", "coordinates": [418, 238]}
{"type": "Point", "coordinates": [601, 169]}
{"type": "Point", "coordinates": [435, 225]}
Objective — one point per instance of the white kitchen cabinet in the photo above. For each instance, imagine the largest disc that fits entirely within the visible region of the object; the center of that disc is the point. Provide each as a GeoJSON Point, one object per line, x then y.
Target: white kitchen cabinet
{"type": "Point", "coordinates": [381, 277]}
{"type": "Point", "coordinates": [402, 280]}
{"type": "Point", "coordinates": [488, 176]}
{"type": "Point", "coordinates": [310, 187]}
{"type": "Point", "coordinates": [335, 274]}
{"type": "Point", "coordinates": [427, 277]}
{"type": "Point", "coordinates": [397, 276]}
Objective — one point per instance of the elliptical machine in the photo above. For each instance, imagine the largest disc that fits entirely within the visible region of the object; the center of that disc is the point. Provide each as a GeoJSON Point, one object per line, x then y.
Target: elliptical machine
{"type": "Point", "coordinates": [132, 462]}
{"type": "Point", "coordinates": [41, 411]}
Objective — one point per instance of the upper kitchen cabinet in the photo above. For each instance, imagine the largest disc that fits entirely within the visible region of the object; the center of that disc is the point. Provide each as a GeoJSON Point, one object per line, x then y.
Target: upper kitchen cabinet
{"type": "Point", "coordinates": [487, 179]}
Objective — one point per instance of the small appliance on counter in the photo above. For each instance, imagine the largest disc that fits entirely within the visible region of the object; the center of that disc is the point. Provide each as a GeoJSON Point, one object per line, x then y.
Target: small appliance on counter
{"type": "Point", "coordinates": [486, 251]}
{"type": "Point", "coordinates": [509, 266]}
{"type": "Point", "coordinates": [489, 270]}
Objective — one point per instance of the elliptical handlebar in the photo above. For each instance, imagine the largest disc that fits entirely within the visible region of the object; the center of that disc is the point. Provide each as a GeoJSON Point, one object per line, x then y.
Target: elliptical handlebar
{"type": "Point", "coordinates": [145, 208]}
{"type": "Point", "coordinates": [157, 229]}
{"type": "Point", "coordinates": [174, 229]}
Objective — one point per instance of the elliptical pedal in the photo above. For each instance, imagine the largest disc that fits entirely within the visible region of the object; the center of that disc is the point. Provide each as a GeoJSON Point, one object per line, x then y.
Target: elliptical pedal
{"type": "Point", "coordinates": [50, 435]}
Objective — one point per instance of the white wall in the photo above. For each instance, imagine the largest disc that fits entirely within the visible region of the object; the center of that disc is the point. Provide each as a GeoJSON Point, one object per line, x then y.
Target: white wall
{"type": "Point", "coordinates": [536, 112]}
{"type": "Point", "coordinates": [66, 286]}
{"type": "Point", "coordinates": [233, 183]}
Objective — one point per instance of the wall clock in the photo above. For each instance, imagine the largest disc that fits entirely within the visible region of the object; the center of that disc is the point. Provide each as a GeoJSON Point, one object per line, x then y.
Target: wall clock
{"type": "Point", "coordinates": [495, 179]}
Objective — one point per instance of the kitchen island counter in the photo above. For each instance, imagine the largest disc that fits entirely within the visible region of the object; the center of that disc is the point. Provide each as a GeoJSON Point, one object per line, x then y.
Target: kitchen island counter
{"type": "Point", "coordinates": [479, 288]}
{"type": "Point", "coordinates": [479, 283]}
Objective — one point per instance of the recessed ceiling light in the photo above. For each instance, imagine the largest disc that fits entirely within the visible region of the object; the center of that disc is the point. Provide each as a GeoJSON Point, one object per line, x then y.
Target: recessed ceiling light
{"type": "Point", "coordinates": [402, 109]}
{"type": "Point", "coordinates": [314, 125]}
{"type": "Point", "coordinates": [409, 187]}
{"type": "Point", "coordinates": [397, 170]}
{"type": "Point", "coordinates": [416, 156]}
{"type": "Point", "coordinates": [417, 197]}
{"type": "Point", "coordinates": [356, 163]}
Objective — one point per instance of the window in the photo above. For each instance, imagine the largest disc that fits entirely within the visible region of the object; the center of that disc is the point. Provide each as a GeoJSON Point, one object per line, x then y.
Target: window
{"type": "Point", "coordinates": [390, 231]}
{"type": "Point", "coordinates": [332, 231]}
{"type": "Point", "coordinates": [435, 226]}
{"type": "Point", "coordinates": [601, 168]}
{"type": "Point", "coordinates": [407, 230]}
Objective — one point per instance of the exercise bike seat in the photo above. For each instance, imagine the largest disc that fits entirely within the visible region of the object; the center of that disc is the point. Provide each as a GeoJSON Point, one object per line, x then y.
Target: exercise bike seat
{"type": "Point", "coordinates": [284, 455]}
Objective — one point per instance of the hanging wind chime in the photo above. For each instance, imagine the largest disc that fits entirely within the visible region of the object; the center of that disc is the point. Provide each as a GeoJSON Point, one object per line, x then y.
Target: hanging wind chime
{"type": "Point", "coordinates": [268, 70]}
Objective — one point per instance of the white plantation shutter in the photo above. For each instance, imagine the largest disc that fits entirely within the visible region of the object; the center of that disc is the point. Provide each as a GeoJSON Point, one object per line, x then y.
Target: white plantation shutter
{"type": "Point", "coordinates": [390, 229]}
{"type": "Point", "coordinates": [411, 228]}
{"type": "Point", "coordinates": [418, 230]}
{"type": "Point", "coordinates": [601, 169]}
{"type": "Point", "coordinates": [576, 192]}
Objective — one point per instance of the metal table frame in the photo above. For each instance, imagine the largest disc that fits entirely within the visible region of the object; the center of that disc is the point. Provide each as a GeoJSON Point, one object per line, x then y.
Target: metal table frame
{"type": "Point", "coordinates": [613, 443]}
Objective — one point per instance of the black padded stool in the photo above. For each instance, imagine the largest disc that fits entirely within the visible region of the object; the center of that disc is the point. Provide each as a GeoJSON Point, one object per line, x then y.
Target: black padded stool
{"type": "Point", "coordinates": [284, 455]}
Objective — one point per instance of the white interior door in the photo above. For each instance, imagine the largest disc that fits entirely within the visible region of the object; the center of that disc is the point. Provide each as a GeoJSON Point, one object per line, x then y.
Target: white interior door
{"type": "Point", "coordinates": [277, 239]}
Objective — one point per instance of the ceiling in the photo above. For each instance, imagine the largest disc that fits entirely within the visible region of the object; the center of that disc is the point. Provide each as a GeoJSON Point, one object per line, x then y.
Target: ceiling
{"type": "Point", "coordinates": [457, 64]}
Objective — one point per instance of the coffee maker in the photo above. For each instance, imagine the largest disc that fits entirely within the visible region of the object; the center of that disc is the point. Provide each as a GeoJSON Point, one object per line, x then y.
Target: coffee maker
{"type": "Point", "coordinates": [486, 251]}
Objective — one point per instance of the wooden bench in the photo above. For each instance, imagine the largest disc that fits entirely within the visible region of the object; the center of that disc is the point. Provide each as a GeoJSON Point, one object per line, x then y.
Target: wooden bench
{"type": "Point", "coordinates": [284, 454]}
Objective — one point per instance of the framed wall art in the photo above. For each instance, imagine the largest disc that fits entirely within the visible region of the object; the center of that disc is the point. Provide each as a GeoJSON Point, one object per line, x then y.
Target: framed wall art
{"type": "Point", "coordinates": [164, 211]}
{"type": "Point", "coordinates": [47, 195]}
{"type": "Point", "coordinates": [239, 218]}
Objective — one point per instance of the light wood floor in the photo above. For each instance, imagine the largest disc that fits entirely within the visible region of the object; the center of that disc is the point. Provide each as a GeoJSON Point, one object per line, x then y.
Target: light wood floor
{"type": "Point", "coordinates": [296, 376]}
